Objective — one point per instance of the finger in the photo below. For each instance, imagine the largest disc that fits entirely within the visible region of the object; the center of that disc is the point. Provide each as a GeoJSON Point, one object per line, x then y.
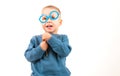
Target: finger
{"type": "Point", "coordinates": [43, 39]}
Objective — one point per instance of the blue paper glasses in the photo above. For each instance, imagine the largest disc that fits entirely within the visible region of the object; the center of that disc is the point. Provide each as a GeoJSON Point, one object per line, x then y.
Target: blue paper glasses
{"type": "Point", "coordinates": [52, 16]}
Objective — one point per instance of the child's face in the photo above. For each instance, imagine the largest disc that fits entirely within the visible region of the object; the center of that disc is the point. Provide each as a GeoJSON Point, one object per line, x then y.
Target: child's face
{"type": "Point", "coordinates": [51, 20]}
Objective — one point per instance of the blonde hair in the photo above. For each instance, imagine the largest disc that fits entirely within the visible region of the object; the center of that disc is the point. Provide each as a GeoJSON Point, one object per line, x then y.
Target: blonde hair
{"type": "Point", "coordinates": [52, 6]}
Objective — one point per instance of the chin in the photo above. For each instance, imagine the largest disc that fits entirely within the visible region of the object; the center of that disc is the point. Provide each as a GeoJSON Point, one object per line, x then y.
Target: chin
{"type": "Point", "coordinates": [50, 31]}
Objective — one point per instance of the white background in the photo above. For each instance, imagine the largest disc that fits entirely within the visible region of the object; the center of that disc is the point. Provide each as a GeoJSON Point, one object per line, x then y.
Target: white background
{"type": "Point", "coordinates": [93, 28]}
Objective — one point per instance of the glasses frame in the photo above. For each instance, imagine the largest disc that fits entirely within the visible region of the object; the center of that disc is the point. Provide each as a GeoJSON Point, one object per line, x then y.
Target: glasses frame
{"type": "Point", "coordinates": [49, 16]}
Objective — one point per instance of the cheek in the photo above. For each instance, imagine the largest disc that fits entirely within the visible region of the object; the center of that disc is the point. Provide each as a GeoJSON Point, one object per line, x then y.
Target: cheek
{"type": "Point", "coordinates": [56, 23]}
{"type": "Point", "coordinates": [43, 26]}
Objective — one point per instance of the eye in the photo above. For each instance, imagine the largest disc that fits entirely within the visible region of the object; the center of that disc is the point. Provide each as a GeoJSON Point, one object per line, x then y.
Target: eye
{"type": "Point", "coordinates": [44, 18]}
{"type": "Point", "coordinates": [54, 15]}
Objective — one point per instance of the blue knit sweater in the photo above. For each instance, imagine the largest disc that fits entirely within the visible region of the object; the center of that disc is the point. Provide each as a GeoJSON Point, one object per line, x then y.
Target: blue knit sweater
{"type": "Point", "coordinates": [52, 64]}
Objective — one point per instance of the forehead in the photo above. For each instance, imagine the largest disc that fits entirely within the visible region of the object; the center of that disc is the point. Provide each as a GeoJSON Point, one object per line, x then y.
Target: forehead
{"type": "Point", "coordinates": [48, 10]}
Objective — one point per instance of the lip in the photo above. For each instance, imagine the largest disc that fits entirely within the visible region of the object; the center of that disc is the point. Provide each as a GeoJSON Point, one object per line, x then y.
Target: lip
{"type": "Point", "coordinates": [49, 26]}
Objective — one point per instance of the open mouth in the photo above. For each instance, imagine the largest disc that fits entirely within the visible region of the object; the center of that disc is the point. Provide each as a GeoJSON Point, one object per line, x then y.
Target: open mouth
{"type": "Point", "coordinates": [48, 26]}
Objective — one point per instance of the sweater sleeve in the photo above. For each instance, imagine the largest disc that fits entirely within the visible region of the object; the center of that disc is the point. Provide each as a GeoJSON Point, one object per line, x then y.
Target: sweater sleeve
{"type": "Point", "coordinates": [61, 47]}
{"type": "Point", "coordinates": [33, 52]}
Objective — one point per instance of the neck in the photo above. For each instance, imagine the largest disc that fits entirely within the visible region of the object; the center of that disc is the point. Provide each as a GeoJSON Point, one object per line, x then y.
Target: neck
{"type": "Point", "coordinates": [54, 32]}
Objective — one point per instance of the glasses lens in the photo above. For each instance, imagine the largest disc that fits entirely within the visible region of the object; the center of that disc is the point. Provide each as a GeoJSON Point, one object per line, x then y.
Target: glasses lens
{"type": "Point", "coordinates": [43, 18]}
{"type": "Point", "coordinates": [54, 15]}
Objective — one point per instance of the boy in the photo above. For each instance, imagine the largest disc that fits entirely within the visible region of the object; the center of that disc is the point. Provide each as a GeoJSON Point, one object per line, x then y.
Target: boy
{"type": "Point", "coordinates": [47, 52]}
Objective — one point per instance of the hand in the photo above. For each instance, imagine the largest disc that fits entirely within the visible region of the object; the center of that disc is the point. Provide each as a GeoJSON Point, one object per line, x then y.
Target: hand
{"type": "Point", "coordinates": [46, 36]}
{"type": "Point", "coordinates": [44, 45]}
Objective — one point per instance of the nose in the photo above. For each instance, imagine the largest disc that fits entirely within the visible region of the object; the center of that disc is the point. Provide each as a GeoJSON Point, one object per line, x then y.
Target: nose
{"type": "Point", "coordinates": [49, 20]}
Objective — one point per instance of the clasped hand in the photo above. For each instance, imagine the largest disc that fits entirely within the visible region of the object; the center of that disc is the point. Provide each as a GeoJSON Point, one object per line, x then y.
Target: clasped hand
{"type": "Point", "coordinates": [46, 36]}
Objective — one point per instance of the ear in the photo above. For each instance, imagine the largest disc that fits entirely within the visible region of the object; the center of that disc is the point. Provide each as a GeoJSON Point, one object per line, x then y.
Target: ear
{"type": "Point", "coordinates": [60, 21]}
